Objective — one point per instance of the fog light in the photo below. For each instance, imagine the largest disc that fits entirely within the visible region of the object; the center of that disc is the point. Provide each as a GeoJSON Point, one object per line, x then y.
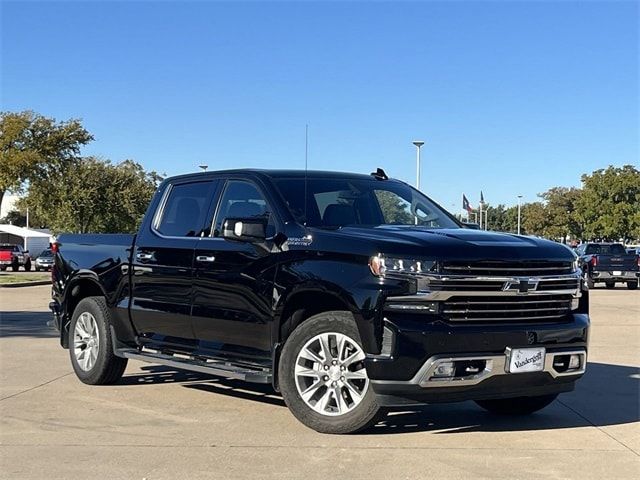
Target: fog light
{"type": "Point", "coordinates": [429, 307]}
{"type": "Point", "coordinates": [445, 369]}
{"type": "Point", "coordinates": [574, 362]}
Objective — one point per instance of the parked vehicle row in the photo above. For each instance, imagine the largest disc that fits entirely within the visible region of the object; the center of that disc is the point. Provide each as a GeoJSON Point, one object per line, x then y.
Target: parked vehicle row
{"type": "Point", "coordinates": [348, 293]}
{"type": "Point", "coordinates": [14, 256]}
{"type": "Point", "coordinates": [609, 263]}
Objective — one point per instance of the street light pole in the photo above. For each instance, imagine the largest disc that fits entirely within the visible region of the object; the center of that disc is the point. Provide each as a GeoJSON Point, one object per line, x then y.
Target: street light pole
{"type": "Point", "coordinates": [418, 144]}
{"type": "Point", "coordinates": [519, 202]}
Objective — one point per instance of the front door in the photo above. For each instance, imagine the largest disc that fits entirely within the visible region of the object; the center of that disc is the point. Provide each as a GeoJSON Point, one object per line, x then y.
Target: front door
{"type": "Point", "coordinates": [233, 289]}
{"type": "Point", "coordinates": [163, 262]}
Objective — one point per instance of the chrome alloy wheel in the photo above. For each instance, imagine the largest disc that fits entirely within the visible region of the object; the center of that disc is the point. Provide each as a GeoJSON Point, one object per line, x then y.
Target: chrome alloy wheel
{"type": "Point", "coordinates": [86, 341]}
{"type": "Point", "coordinates": [330, 374]}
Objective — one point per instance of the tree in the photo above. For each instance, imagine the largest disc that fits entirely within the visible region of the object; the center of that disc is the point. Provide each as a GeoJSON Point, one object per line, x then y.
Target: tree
{"type": "Point", "coordinates": [534, 219]}
{"type": "Point", "coordinates": [15, 217]}
{"type": "Point", "coordinates": [92, 195]}
{"type": "Point", "coordinates": [394, 208]}
{"type": "Point", "coordinates": [32, 147]}
{"type": "Point", "coordinates": [609, 207]}
{"type": "Point", "coordinates": [561, 213]}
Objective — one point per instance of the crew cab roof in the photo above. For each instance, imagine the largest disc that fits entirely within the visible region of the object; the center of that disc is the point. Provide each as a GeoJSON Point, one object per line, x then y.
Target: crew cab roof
{"type": "Point", "coordinates": [275, 174]}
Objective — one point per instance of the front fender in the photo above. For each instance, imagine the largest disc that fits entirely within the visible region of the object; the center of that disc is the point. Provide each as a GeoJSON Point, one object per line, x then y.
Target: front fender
{"type": "Point", "coordinates": [347, 281]}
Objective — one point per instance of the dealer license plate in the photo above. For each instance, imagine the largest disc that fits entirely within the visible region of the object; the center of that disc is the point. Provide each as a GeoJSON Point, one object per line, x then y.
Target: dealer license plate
{"type": "Point", "coordinates": [617, 273]}
{"type": "Point", "coordinates": [526, 360]}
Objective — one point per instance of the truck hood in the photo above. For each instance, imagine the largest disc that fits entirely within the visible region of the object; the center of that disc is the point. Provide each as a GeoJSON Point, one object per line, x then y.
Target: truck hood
{"type": "Point", "coordinates": [452, 244]}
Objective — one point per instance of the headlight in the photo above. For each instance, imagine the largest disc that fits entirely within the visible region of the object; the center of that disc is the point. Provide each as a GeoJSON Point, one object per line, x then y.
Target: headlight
{"type": "Point", "coordinates": [575, 265]}
{"type": "Point", "coordinates": [381, 265]}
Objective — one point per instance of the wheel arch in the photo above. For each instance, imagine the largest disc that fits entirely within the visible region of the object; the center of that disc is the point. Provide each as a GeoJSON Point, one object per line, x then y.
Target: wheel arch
{"type": "Point", "coordinates": [82, 285]}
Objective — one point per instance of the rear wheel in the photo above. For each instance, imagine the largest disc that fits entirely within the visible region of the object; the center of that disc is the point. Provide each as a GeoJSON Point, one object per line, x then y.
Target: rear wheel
{"type": "Point", "coordinates": [27, 266]}
{"type": "Point", "coordinates": [518, 405]}
{"type": "Point", "coordinates": [15, 266]}
{"type": "Point", "coordinates": [322, 376]}
{"type": "Point", "coordinates": [90, 344]}
{"type": "Point", "coordinates": [632, 285]}
{"type": "Point", "coordinates": [610, 284]}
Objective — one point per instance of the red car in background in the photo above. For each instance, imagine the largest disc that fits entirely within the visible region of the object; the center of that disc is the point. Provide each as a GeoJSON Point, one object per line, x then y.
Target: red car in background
{"type": "Point", "coordinates": [14, 256]}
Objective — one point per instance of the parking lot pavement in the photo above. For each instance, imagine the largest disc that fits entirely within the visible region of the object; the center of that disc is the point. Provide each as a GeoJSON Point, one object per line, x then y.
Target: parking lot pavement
{"type": "Point", "coordinates": [160, 423]}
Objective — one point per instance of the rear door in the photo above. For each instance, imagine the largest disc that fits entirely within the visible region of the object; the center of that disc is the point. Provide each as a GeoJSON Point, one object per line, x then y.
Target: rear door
{"type": "Point", "coordinates": [233, 290]}
{"type": "Point", "coordinates": [162, 264]}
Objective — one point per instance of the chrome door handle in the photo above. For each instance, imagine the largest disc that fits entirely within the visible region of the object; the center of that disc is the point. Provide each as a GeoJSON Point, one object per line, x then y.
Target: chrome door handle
{"type": "Point", "coordinates": [205, 258]}
{"type": "Point", "coordinates": [145, 256]}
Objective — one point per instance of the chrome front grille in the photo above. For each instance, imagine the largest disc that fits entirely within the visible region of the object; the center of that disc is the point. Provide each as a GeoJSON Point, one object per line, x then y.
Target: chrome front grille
{"type": "Point", "coordinates": [494, 292]}
{"type": "Point", "coordinates": [511, 308]}
{"type": "Point", "coordinates": [529, 268]}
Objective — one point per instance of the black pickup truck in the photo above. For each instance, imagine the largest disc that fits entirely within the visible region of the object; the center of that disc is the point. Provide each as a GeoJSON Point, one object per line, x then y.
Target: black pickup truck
{"type": "Point", "coordinates": [609, 263]}
{"type": "Point", "coordinates": [349, 293]}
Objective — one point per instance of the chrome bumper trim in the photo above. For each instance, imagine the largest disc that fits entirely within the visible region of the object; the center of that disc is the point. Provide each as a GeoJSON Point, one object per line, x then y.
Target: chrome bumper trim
{"type": "Point", "coordinates": [495, 365]}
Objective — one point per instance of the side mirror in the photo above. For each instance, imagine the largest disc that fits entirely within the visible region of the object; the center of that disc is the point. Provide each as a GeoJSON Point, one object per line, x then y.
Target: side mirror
{"type": "Point", "coordinates": [472, 226]}
{"type": "Point", "coordinates": [250, 229]}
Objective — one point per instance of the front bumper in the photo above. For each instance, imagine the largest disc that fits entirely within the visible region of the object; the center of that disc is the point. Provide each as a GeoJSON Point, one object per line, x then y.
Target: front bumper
{"type": "Point", "coordinates": [401, 377]}
{"type": "Point", "coordinates": [623, 276]}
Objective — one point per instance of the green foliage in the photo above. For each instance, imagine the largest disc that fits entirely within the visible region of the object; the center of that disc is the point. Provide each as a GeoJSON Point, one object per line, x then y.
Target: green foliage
{"type": "Point", "coordinates": [394, 209]}
{"type": "Point", "coordinates": [93, 195]}
{"type": "Point", "coordinates": [609, 206]}
{"type": "Point", "coordinates": [32, 147]}
{"type": "Point", "coordinates": [15, 217]}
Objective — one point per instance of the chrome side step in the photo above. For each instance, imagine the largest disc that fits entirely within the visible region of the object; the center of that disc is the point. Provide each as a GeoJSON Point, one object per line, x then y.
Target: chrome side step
{"type": "Point", "coordinates": [212, 367]}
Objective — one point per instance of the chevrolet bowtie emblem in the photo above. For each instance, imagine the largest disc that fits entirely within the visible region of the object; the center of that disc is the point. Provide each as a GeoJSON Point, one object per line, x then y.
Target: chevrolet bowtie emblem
{"type": "Point", "coordinates": [521, 285]}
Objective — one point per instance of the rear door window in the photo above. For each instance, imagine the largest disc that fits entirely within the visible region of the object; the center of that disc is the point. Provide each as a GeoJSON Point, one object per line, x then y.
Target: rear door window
{"type": "Point", "coordinates": [185, 210]}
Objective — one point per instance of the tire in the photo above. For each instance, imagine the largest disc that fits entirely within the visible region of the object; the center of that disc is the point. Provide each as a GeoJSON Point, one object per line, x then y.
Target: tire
{"type": "Point", "coordinates": [27, 266]}
{"type": "Point", "coordinates": [517, 406]}
{"type": "Point", "coordinates": [3, 269]}
{"type": "Point", "coordinates": [15, 266]}
{"type": "Point", "coordinates": [360, 411]}
{"type": "Point", "coordinates": [106, 368]}
{"type": "Point", "coordinates": [610, 284]}
{"type": "Point", "coordinates": [632, 285]}
{"type": "Point", "coordinates": [37, 269]}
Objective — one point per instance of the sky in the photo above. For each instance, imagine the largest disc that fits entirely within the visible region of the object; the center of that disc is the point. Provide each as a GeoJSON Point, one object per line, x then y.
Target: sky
{"type": "Point", "coordinates": [511, 98]}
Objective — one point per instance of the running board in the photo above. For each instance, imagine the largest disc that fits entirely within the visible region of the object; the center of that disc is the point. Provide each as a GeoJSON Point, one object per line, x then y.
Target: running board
{"type": "Point", "coordinates": [212, 367]}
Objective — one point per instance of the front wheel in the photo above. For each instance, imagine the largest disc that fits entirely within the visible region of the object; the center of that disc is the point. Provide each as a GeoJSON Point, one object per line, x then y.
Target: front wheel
{"type": "Point", "coordinates": [90, 344]}
{"type": "Point", "coordinates": [27, 266]}
{"type": "Point", "coordinates": [518, 405]}
{"type": "Point", "coordinates": [322, 375]}
{"type": "Point", "coordinates": [632, 285]}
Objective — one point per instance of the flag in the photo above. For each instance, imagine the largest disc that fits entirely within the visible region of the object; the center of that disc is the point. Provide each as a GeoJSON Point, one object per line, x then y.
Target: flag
{"type": "Point", "coordinates": [481, 197]}
{"type": "Point", "coordinates": [465, 204]}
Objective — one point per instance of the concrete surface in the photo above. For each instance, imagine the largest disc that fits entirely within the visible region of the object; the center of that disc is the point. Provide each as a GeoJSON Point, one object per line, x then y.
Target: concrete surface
{"type": "Point", "coordinates": [159, 423]}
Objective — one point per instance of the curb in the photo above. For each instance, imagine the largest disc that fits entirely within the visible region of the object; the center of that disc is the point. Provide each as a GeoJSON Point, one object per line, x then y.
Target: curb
{"type": "Point", "coordinates": [25, 284]}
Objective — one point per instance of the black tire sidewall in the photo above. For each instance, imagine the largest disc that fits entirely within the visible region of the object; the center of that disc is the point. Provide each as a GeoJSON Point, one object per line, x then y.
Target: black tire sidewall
{"type": "Point", "coordinates": [359, 418]}
{"type": "Point", "coordinates": [96, 307]}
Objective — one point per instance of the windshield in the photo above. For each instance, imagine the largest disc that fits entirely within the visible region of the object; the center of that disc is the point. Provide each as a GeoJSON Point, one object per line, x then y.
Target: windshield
{"type": "Point", "coordinates": [614, 249]}
{"type": "Point", "coordinates": [334, 203]}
